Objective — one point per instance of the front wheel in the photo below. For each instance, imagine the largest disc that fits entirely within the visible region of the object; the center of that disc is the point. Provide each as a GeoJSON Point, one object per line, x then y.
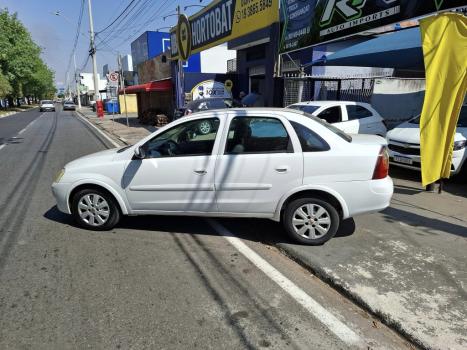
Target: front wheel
{"type": "Point", "coordinates": [311, 221]}
{"type": "Point", "coordinates": [95, 210]}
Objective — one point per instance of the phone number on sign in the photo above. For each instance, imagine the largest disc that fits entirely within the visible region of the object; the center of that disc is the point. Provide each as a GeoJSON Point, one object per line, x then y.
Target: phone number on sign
{"type": "Point", "coordinates": [250, 8]}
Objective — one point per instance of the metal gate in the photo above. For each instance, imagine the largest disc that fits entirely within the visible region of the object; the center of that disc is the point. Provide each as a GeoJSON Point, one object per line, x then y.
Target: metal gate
{"type": "Point", "coordinates": [308, 88]}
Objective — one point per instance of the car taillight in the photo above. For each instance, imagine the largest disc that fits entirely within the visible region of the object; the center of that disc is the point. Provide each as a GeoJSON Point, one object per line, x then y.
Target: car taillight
{"type": "Point", "coordinates": [382, 165]}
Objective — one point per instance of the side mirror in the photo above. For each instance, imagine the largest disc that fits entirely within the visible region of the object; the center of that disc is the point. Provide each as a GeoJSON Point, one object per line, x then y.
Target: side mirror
{"type": "Point", "coordinates": [140, 153]}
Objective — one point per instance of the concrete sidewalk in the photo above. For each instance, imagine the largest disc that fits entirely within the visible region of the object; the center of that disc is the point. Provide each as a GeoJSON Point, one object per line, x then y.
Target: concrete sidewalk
{"type": "Point", "coordinates": [407, 264]}
{"type": "Point", "coordinates": [116, 126]}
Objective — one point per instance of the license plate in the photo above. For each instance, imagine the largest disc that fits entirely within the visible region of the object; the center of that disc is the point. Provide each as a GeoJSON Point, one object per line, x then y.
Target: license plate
{"type": "Point", "coordinates": [403, 160]}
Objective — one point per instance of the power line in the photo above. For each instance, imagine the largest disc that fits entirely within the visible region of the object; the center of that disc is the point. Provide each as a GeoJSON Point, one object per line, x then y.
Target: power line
{"type": "Point", "coordinates": [116, 19]}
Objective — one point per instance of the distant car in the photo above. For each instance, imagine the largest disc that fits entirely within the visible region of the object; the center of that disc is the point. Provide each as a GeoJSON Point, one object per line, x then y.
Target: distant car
{"type": "Point", "coordinates": [205, 104]}
{"type": "Point", "coordinates": [69, 106]}
{"type": "Point", "coordinates": [404, 145]}
{"type": "Point", "coordinates": [257, 162]}
{"type": "Point", "coordinates": [350, 117]}
{"type": "Point", "coordinates": [47, 106]}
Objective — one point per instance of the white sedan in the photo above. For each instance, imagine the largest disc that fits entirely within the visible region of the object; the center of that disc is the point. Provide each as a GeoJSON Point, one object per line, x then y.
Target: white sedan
{"type": "Point", "coordinates": [351, 117]}
{"type": "Point", "coordinates": [263, 163]}
{"type": "Point", "coordinates": [404, 145]}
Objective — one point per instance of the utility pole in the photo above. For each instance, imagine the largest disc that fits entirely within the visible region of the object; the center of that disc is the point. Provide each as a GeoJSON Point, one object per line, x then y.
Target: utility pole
{"type": "Point", "coordinates": [93, 54]}
{"type": "Point", "coordinates": [180, 85]}
{"type": "Point", "coordinates": [77, 82]}
{"type": "Point", "coordinates": [122, 85]}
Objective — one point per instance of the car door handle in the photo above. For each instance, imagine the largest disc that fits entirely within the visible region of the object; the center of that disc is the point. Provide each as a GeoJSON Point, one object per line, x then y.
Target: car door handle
{"type": "Point", "coordinates": [282, 169]}
{"type": "Point", "coordinates": [200, 171]}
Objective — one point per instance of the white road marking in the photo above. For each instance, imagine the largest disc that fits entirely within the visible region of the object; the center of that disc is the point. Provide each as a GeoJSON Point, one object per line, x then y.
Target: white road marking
{"type": "Point", "coordinates": [99, 131]}
{"type": "Point", "coordinates": [23, 130]}
{"type": "Point", "coordinates": [1, 146]}
{"type": "Point", "coordinates": [343, 332]}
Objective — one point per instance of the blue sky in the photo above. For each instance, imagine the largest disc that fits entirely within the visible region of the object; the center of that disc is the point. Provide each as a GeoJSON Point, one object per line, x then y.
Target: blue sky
{"type": "Point", "coordinates": [55, 34]}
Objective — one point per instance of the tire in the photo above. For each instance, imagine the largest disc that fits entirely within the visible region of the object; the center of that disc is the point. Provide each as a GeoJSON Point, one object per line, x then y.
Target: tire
{"type": "Point", "coordinates": [303, 210]}
{"type": "Point", "coordinates": [85, 211]}
{"type": "Point", "coordinates": [205, 127]}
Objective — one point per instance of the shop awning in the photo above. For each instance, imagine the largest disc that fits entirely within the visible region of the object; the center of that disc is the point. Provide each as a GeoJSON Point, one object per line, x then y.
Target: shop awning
{"type": "Point", "coordinates": [400, 50]}
{"type": "Point", "coordinates": [160, 85]}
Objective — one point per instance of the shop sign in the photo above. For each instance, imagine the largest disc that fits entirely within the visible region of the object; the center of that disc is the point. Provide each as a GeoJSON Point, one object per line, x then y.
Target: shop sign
{"type": "Point", "coordinates": [219, 22]}
{"type": "Point", "coordinates": [310, 22]}
{"type": "Point", "coordinates": [211, 88]}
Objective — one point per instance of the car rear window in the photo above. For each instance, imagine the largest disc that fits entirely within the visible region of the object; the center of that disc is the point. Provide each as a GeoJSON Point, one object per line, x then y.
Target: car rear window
{"type": "Point", "coordinates": [330, 127]}
{"type": "Point", "coordinates": [47, 102]}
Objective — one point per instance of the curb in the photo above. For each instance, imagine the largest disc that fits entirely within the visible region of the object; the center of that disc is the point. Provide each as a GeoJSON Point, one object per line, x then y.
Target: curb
{"type": "Point", "coordinates": [111, 136]}
{"type": "Point", "coordinates": [7, 114]}
{"type": "Point", "coordinates": [327, 278]}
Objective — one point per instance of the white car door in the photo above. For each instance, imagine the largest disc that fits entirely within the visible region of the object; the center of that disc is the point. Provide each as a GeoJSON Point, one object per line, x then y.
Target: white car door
{"type": "Point", "coordinates": [363, 120]}
{"type": "Point", "coordinates": [260, 162]}
{"type": "Point", "coordinates": [177, 173]}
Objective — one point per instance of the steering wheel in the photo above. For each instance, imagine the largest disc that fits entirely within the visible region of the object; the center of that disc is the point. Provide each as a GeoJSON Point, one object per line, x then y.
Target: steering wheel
{"type": "Point", "coordinates": [172, 148]}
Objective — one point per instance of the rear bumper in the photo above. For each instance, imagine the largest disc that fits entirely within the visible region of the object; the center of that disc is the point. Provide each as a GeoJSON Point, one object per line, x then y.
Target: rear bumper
{"type": "Point", "coordinates": [47, 109]}
{"type": "Point", "coordinates": [369, 196]}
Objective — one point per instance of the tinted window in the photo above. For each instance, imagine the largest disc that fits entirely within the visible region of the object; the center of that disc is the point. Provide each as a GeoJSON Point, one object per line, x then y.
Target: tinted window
{"type": "Point", "coordinates": [332, 128]}
{"type": "Point", "coordinates": [47, 102]}
{"type": "Point", "coordinates": [331, 114]}
{"type": "Point", "coordinates": [309, 140]}
{"type": "Point", "coordinates": [357, 112]}
{"type": "Point", "coordinates": [305, 108]}
{"type": "Point", "coordinates": [257, 135]}
{"type": "Point", "coordinates": [193, 138]}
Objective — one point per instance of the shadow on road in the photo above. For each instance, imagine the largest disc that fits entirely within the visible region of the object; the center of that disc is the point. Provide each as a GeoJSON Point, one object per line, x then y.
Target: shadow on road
{"type": "Point", "coordinates": [429, 225]}
{"type": "Point", "coordinates": [257, 230]}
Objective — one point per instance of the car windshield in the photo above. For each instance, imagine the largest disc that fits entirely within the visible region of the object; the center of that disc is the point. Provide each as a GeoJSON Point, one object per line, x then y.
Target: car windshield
{"type": "Point", "coordinates": [47, 102]}
{"type": "Point", "coordinates": [305, 108]}
{"type": "Point", "coordinates": [335, 130]}
{"type": "Point", "coordinates": [462, 122]}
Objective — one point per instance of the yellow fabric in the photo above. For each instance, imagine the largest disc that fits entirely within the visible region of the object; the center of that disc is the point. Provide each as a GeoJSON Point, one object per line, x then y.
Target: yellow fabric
{"type": "Point", "coordinates": [444, 39]}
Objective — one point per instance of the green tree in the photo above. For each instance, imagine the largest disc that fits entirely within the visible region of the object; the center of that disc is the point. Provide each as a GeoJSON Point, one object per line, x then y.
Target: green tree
{"type": "Point", "coordinates": [20, 63]}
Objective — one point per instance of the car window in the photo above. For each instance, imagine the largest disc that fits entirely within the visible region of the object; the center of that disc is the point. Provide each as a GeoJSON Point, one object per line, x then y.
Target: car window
{"type": "Point", "coordinates": [305, 108]}
{"type": "Point", "coordinates": [193, 138]}
{"type": "Point", "coordinates": [357, 112]}
{"type": "Point", "coordinates": [331, 114]}
{"type": "Point", "coordinates": [309, 140]}
{"type": "Point", "coordinates": [330, 127]}
{"type": "Point", "coordinates": [47, 102]}
{"type": "Point", "coordinates": [257, 135]}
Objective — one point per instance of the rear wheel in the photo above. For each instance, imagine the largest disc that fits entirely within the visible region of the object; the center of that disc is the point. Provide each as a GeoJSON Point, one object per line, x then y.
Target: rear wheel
{"type": "Point", "coordinates": [311, 221]}
{"type": "Point", "coordinates": [95, 210]}
{"type": "Point", "coordinates": [205, 127]}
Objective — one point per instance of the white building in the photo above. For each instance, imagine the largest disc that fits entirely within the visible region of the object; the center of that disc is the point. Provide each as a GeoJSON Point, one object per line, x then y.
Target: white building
{"type": "Point", "coordinates": [127, 63]}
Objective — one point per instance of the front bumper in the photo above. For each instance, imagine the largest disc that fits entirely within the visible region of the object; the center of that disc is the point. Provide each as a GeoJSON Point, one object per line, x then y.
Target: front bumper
{"type": "Point", "coordinates": [60, 191]}
{"type": "Point", "coordinates": [415, 161]}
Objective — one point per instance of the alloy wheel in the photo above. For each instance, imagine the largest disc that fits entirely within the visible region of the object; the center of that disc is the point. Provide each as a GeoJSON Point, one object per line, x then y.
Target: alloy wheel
{"type": "Point", "coordinates": [311, 221]}
{"type": "Point", "coordinates": [93, 209]}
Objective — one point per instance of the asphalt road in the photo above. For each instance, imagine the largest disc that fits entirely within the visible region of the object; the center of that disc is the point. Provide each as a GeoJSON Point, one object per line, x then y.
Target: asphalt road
{"type": "Point", "coordinates": [152, 282]}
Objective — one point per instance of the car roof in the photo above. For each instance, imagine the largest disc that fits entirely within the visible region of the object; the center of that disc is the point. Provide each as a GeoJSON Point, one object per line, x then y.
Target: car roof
{"type": "Point", "coordinates": [324, 103]}
{"type": "Point", "coordinates": [244, 110]}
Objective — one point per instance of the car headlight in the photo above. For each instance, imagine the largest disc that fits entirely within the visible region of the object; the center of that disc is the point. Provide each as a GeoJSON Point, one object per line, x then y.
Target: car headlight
{"type": "Point", "coordinates": [59, 175]}
{"type": "Point", "coordinates": [458, 145]}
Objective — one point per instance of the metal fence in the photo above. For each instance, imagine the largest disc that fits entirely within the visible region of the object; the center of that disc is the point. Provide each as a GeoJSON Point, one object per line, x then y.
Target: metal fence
{"type": "Point", "coordinates": [297, 89]}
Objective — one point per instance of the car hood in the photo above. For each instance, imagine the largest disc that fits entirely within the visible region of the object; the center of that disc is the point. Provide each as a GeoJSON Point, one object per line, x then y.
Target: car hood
{"type": "Point", "coordinates": [93, 158]}
{"type": "Point", "coordinates": [365, 139]}
{"type": "Point", "coordinates": [410, 133]}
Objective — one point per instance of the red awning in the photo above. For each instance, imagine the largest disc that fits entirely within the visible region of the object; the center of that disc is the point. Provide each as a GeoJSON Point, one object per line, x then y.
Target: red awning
{"type": "Point", "coordinates": [160, 85]}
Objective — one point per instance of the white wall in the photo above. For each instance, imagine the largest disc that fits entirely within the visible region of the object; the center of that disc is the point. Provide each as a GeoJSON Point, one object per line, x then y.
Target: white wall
{"type": "Point", "coordinates": [214, 60]}
{"type": "Point", "coordinates": [88, 81]}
